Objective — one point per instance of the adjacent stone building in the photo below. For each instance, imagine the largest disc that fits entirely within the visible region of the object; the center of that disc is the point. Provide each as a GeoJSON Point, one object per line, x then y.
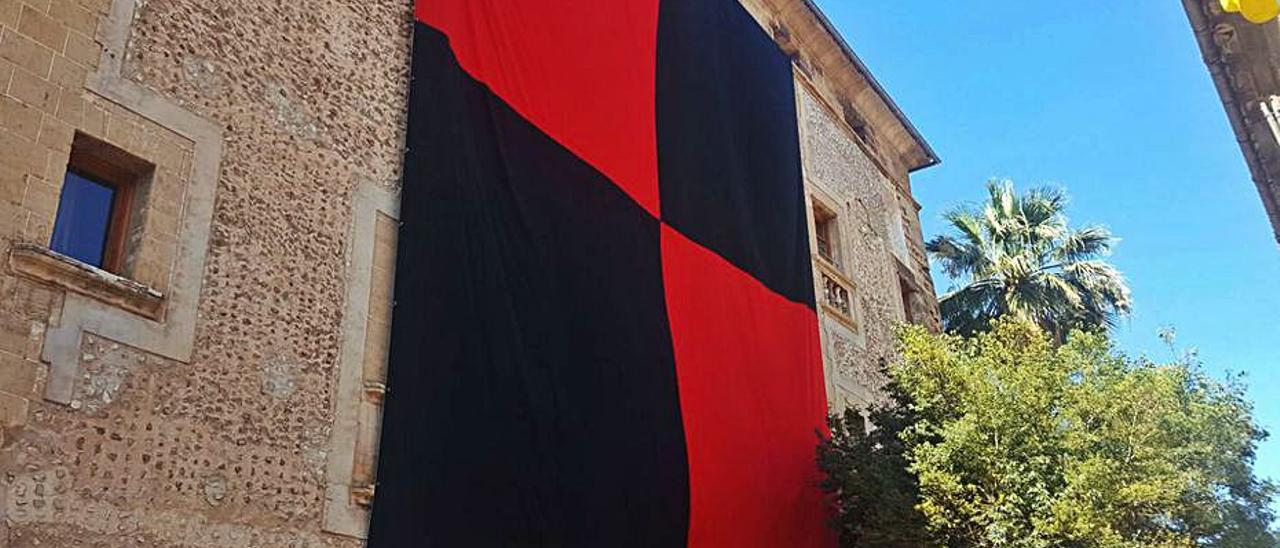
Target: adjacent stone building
{"type": "Point", "coordinates": [1244, 60]}
{"type": "Point", "coordinates": [215, 379]}
{"type": "Point", "coordinates": [858, 151]}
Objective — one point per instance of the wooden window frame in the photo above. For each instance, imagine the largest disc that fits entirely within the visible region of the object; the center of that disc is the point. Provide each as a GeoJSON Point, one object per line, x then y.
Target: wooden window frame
{"type": "Point", "coordinates": [125, 174]}
{"type": "Point", "coordinates": [826, 229]}
{"type": "Point", "coordinates": [822, 231]}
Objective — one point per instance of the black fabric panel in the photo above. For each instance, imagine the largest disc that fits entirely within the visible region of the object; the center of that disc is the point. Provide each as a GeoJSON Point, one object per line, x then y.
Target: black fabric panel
{"type": "Point", "coordinates": [532, 393]}
{"type": "Point", "coordinates": [728, 143]}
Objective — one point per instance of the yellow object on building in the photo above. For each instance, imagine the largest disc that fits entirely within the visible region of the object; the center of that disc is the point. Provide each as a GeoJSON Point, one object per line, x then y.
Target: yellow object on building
{"type": "Point", "coordinates": [1258, 11]}
{"type": "Point", "coordinates": [1230, 6]}
{"type": "Point", "coordinates": [1239, 57]}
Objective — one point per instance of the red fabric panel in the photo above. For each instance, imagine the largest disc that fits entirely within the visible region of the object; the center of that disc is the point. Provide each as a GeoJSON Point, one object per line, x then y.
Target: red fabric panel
{"type": "Point", "coordinates": [752, 396]}
{"type": "Point", "coordinates": [581, 71]}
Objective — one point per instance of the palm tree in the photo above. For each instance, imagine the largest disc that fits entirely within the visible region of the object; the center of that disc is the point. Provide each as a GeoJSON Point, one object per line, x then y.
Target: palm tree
{"type": "Point", "coordinates": [1016, 256]}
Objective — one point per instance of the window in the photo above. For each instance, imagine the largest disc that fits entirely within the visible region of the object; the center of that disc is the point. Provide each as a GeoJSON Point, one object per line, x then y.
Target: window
{"type": "Point", "coordinates": [82, 228]}
{"type": "Point", "coordinates": [913, 305]}
{"type": "Point", "coordinates": [907, 294]}
{"type": "Point", "coordinates": [96, 207]}
{"type": "Point", "coordinates": [827, 233]}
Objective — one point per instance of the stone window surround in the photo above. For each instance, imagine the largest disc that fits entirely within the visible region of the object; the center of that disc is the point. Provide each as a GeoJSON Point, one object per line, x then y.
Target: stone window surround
{"type": "Point", "coordinates": [826, 226]}
{"type": "Point", "coordinates": [139, 257]}
{"type": "Point", "coordinates": [346, 506]}
{"type": "Point", "coordinates": [819, 200]}
{"type": "Point", "coordinates": [129, 178]}
{"type": "Point", "coordinates": [831, 270]}
{"type": "Point", "coordinates": [909, 285]}
{"type": "Point", "coordinates": [45, 265]}
{"type": "Point", "coordinates": [174, 336]}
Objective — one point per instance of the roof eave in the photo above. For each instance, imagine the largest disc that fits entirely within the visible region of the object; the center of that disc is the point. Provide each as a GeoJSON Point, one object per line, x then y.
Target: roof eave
{"type": "Point", "coordinates": [929, 157]}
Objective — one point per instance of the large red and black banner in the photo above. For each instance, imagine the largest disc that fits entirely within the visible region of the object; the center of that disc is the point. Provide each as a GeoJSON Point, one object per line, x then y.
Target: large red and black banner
{"type": "Point", "coordinates": [604, 333]}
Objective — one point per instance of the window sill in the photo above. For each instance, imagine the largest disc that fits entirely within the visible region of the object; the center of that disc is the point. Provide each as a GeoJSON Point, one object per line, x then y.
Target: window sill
{"type": "Point", "coordinates": [44, 265]}
{"type": "Point", "coordinates": [829, 264]}
{"type": "Point", "coordinates": [833, 270]}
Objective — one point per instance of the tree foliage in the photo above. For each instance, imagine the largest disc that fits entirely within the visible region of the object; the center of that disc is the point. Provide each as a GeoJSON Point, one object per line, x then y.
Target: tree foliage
{"type": "Point", "coordinates": [867, 469]}
{"type": "Point", "coordinates": [1015, 255]}
{"type": "Point", "coordinates": [1011, 440]}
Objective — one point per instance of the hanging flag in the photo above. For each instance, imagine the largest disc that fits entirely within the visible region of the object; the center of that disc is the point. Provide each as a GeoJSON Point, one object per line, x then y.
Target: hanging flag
{"type": "Point", "coordinates": [605, 333]}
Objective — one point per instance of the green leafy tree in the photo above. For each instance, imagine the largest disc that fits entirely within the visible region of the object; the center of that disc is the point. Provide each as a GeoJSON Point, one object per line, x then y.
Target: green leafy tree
{"type": "Point", "coordinates": [1013, 440]}
{"type": "Point", "coordinates": [867, 473]}
{"type": "Point", "coordinates": [1014, 255]}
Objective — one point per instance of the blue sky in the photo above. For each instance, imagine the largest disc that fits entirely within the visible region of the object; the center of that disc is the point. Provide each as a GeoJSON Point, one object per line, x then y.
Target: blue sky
{"type": "Point", "coordinates": [1112, 102]}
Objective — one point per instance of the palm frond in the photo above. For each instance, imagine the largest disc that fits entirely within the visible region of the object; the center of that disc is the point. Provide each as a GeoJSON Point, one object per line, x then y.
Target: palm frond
{"type": "Point", "coordinates": [1085, 244]}
{"type": "Point", "coordinates": [1041, 205]}
{"type": "Point", "coordinates": [1106, 293]}
{"type": "Point", "coordinates": [1016, 254]}
{"type": "Point", "coordinates": [958, 259]}
{"type": "Point", "coordinates": [1056, 289]}
{"type": "Point", "coordinates": [969, 224]}
{"type": "Point", "coordinates": [971, 308]}
{"type": "Point", "coordinates": [1004, 199]}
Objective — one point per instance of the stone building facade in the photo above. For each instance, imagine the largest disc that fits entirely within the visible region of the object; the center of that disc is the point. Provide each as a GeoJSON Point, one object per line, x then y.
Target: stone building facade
{"type": "Point", "coordinates": [1244, 60]}
{"type": "Point", "coordinates": [858, 153]}
{"type": "Point", "coordinates": [219, 383]}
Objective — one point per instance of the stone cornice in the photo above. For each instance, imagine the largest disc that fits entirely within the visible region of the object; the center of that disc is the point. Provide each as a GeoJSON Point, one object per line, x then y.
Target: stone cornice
{"type": "Point", "coordinates": [845, 83]}
{"type": "Point", "coordinates": [1242, 59]}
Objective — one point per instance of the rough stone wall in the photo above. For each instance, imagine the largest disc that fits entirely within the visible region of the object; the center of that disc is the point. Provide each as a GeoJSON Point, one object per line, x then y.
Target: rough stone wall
{"type": "Point", "coordinates": [228, 447]}
{"type": "Point", "coordinates": [870, 215]}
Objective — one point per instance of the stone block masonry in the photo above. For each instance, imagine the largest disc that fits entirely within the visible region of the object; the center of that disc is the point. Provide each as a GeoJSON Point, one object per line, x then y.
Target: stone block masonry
{"type": "Point", "coordinates": [196, 429]}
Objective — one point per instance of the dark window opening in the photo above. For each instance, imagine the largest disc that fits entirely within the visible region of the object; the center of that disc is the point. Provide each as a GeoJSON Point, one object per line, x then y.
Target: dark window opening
{"type": "Point", "coordinates": [910, 301]}
{"type": "Point", "coordinates": [824, 225]}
